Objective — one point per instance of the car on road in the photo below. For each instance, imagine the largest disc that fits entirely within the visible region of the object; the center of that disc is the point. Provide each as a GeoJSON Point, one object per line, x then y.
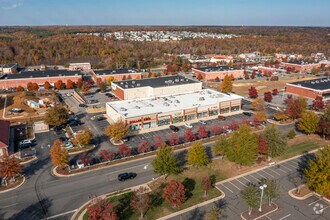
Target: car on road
{"type": "Point", "coordinates": [247, 114]}
{"type": "Point", "coordinates": [80, 164]}
{"type": "Point", "coordinates": [25, 144]}
{"type": "Point", "coordinates": [174, 128]}
{"type": "Point", "coordinates": [83, 105]}
{"type": "Point", "coordinates": [126, 176]}
{"type": "Point", "coordinates": [221, 117]}
{"type": "Point", "coordinates": [188, 125]}
{"type": "Point", "coordinates": [202, 122]}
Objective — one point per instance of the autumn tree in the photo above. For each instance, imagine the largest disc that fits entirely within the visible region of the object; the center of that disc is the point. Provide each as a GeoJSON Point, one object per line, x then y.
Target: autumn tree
{"type": "Point", "coordinates": [158, 141]}
{"type": "Point", "coordinates": [100, 209]}
{"type": "Point", "coordinates": [243, 146]}
{"type": "Point", "coordinates": [189, 135]}
{"type": "Point", "coordinates": [258, 105]}
{"type": "Point", "coordinates": [174, 193]}
{"type": "Point", "coordinates": [10, 168]}
{"type": "Point", "coordinates": [199, 77]}
{"type": "Point", "coordinates": [19, 89]}
{"type": "Point", "coordinates": [117, 130]}
{"type": "Point", "coordinates": [47, 85]}
{"type": "Point", "coordinates": [32, 86]}
{"type": "Point", "coordinates": [143, 147]}
{"type": "Point", "coordinates": [309, 122]}
{"type": "Point", "coordinates": [69, 84]}
{"type": "Point", "coordinates": [206, 184]}
{"type": "Point", "coordinates": [268, 96]}
{"type": "Point", "coordinates": [251, 197]}
{"type": "Point", "coordinates": [59, 155]}
{"type": "Point", "coordinates": [106, 155]}
{"type": "Point", "coordinates": [141, 201]}
{"type": "Point", "coordinates": [215, 129]}
{"type": "Point", "coordinates": [83, 137]}
{"type": "Point", "coordinates": [227, 84]}
{"type": "Point", "coordinates": [124, 150]}
{"type": "Point", "coordinates": [262, 145]}
{"type": "Point", "coordinates": [291, 134]}
{"type": "Point", "coordinates": [261, 116]}
{"type": "Point", "coordinates": [221, 145]}
{"type": "Point", "coordinates": [59, 84]}
{"type": "Point", "coordinates": [197, 156]}
{"type": "Point", "coordinates": [295, 106]}
{"type": "Point", "coordinates": [253, 93]}
{"type": "Point", "coordinates": [233, 125]}
{"type": "Point", "coordinates": [275, 140]}
{"type": "Point", "coordinates": [173, 139]}
{"type": "Point", "coordinates": [324, 124]}
{"type": "Point", "coordinates": [318, 103]}
{"type": "Point", "coordinates": [317, 173]}
{"type": "Point", "coordinates": [202, 132]}
{"type": "Point", "coordinates": [165, 162]}
{"type": "Point", "coordinates": [56, 116]}
{"type": "Point", "coordinates": [274, 91]}
{"type": "Point", "coordinates": [272, 191]}
{"type": "Point", "coordinates": [110, 79]}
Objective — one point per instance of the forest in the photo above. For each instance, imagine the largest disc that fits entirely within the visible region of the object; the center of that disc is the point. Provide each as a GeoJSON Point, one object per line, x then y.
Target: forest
{"type": "Point", "coordinates": [60, 45]}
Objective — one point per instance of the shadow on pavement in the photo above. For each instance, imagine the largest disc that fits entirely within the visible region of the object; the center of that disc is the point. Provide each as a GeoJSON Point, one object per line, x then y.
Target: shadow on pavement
{"type": "Point", "coordinates": [33, 212]}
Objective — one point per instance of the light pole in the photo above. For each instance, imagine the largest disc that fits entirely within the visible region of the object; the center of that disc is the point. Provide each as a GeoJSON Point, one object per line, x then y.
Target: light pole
{"type": "Point", "coordinates": [262, 194]}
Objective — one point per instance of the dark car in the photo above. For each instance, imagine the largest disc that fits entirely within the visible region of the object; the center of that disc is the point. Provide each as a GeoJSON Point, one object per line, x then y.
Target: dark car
{"type": "Point", "coordinates": [83, 105]}
{"type": "Point", "coordinates": [100, 118]}
{"type": "Point", "coordinates": [126, 176]}
{"type": "Point", "coordinates": [93, 101]}
{"type": "Point", "coordinates": [174, 128]}
{"type": "Point", "coordinates": [247, 114]}
{"type": "Point", "coordinates": [221, 117]}
{"type": "Point", "coordinates": [75, 122]}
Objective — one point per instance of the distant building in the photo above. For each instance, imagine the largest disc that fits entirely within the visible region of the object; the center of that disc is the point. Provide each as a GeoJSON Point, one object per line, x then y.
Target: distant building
{"type": "Point", "coordinates": [39, 77]}
{"type": "Point", "coordinates": [221, 59]}
{"type": "Point", "coordinates": [249, 55]}
{"type": "Point", "coordinates": [8, 68]}
{"type": "Point", "coordinates": [4, 138]}
{"type": "Point", "coordinates": [160, 112]}
{"type": "Point", "coordinates": [311, 88]}
{"type": "Point", "coordinates": [212, 73]}
{"type": "Point", "coordinates": [300, 66]}
{"type": "Point", "coordinates": [154, 87]}
{"type": "Point", "coordinates": [80, 66]}
{"type": "Point", "coordinates": [267, 70]}
{"type": "Point", "coordinates": [117, 74]}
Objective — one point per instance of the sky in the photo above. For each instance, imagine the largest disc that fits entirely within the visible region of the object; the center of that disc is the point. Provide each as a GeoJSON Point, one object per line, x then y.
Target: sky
{"type": "Point", "coordinates": [166, 12]}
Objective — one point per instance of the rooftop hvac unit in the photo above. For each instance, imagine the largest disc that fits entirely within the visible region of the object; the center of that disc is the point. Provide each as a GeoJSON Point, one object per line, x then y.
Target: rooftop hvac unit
{"type": "Point", "coordinates": [317, 81]}
{"type": "Point", "coordinates": [133, 82]}
{"type": "Point", "coordinates": [137, 107]}
{"type": "Point", "coordinates": [177, 101]}
{"type": "Point", "coordinates": [123, 109]}
{"type": "Point", "coordinates": [182, 80]}
{"type": "Point", "coordinates": [201, 98]}
{"type": "Point", "coordinates": [150, 105]}
{"type": "Point", "coordinates": [166, 104]}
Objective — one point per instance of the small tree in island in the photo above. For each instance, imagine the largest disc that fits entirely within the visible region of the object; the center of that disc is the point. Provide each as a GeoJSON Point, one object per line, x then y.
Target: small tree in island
{"type": "Point", "coordinates": [165, 162]}
{"type": "Point", "coordinates": [59, 155]}
{"type": "Point", "coordinates": [117, 131]}
{"type": "Point", "coordinates": [9, 169]}
{"type": "Point", "coordinates": [141, 201]}
{"type": "Point", "coordinates": [175, 193]}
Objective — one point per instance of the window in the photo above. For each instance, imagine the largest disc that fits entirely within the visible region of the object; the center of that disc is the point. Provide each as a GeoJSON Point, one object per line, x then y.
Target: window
{"type": "Point", "coordinates": [163, 122]}
{"type": "Point", "coordinates": [177, 119]}
{"type": "Point", "coordinates": [235, 108]}
{"type": "Point", "coordinates": [213, 112]}
{"type": "Point", "coordinates": [190, 117]}
{"type": "Point", "coordinates": [202, 115]}
{"type": "Point", "coordinates": [224, 110]}
{"type": "Point", "coordinates": [135, 127]}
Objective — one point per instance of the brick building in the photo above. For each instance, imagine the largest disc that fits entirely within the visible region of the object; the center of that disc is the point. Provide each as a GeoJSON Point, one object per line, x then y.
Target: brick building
{"type": "Point", "coordinates": [311, 88]}
{"type": "Point", "coordinates": [4, 138]}
{"type": "Point", "coordinates": [80, 66]}
{"type": "Point", "coordinates": [8, 68]}
{"type": "Point", "coordinates": [301, 66]}
{"type": "Point", "coordinates": [39, 77]}
{"type": "Point", "coordinates": [117, 74]}
{"type": "Point", "coordinates": [211, 73]}
{"type": "Point", "coordinates": [154, 87]}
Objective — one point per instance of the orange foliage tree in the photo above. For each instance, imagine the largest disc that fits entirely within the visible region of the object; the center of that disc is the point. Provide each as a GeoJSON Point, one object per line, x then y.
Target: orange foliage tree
{"type": "Point", "coordinates": [59, 154]}
{"type": "Point", "coordinates": [47, 85]}
{"type": "Point", "coordinates": [9, 169]}
{"type": "Point", "coordinates": [69, 84]}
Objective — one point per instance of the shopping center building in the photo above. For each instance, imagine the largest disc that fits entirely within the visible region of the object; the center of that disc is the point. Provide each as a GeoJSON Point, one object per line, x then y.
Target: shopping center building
{"type": "Point", "coordinates": [162, 111]}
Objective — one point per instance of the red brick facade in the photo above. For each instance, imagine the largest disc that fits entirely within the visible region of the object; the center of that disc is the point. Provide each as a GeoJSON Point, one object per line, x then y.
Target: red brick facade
{"type": "Point", "coordinates": [301, 68]}
{"type": "Point", "coordinates": [12, 83]}
{"type": "Point", "coordinates": [305, 92]}
{"type": "Point", "coordinates": [117, 77]}
{"type": "Point", "coordinates": [120, 93]}
{"type": "Point", "coordinates": [209, 76]}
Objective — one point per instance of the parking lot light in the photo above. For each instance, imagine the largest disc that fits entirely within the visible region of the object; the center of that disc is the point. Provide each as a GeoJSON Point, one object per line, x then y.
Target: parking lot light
{"type": "Point", "coordinates": [262, 193]}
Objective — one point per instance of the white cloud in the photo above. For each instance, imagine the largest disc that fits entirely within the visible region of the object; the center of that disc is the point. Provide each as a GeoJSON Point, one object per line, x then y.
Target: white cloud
{"type": "Point", "coordinates": [10, 4]}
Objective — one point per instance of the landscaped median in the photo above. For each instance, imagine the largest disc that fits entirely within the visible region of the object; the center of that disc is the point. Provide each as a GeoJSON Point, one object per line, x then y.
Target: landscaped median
{"type": "Point", "coordinates": [256, 214]}
{"type": "Point", "coordinates": [19, 181]}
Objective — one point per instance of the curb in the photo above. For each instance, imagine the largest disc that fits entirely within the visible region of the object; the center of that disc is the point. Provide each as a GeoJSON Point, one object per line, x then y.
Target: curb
{"type": "Point", "coordinates": [7, 190]}
{"type": "Point", "coordinates": [28, 161]}
{"type": "Point", "coordinates": [290, 192]}
{"type": "Point", "coordinates": [194, 206]}
{"type": "Point", "coordinates": [263, 214]}
{"type": "Point", "coordinates": [81, 151]}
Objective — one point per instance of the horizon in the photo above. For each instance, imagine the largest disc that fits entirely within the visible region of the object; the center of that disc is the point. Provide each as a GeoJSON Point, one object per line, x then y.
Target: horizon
{"type": "Point", "coordinates": [295, 13]}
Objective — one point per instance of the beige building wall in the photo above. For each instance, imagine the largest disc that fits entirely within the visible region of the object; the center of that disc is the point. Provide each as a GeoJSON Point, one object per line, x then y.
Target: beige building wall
{"type": "Point", "coordinates": [113, 115]}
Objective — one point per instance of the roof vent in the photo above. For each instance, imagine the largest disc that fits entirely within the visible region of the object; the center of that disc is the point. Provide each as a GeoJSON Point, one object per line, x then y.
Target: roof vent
{"type": "Point", "coordinates": [166, 104]}
{"type": "Point", "coordinates": [138, 84]}
{"type": "Point", "coordinates": [133, 82]}
{"type": "Point", "coordinates": [123, 109]}
{"type": "Point", "coordinates": [201, 99]}
{"type": "Point", "coordinates": [126, 86]}
{"type": "Point", "coordinates": [137, 107]}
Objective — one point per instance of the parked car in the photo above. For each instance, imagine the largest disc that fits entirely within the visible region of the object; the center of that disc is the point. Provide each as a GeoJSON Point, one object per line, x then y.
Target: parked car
{"type": "Point", "coordinates": [25, 143]}
{"type": "Point", "coordinates": [92, 101]}
{"type": "Point", "coordinates": [126, 176]}
{"type": "Point", "coordinates": [174, 128]}
{"type": "Point", "coordinates": [16, 110]}
{"type": "Point", "coordinates": [221, 117]}
{"type": "Point", "coordinates": [100, 118]}
{"type": "Point", "coordinates": [83, 105]}
{"type": "Point", "coordinates": [247, 114]}
{"type": "Point", "coordinates": [188, 125]}
{"type": "Point", "coordinates": [69, 94]}
{"type": "Point", "coordinates": [68, 144]}
{"type": "Point", "coordinates": [202, 122]}
{"type": "Point", "coordinates": [80, 164]}
{"type": "Point", "coordinates": [75, 122]}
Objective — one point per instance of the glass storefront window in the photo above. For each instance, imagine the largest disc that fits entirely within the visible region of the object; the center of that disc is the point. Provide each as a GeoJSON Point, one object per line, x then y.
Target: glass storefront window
{"type": "Point", "coordinates": [213, 112]}
{"type": "Point", "coordinates": [235, 108]}
{"type": "Point", "coordinates": [177, 119]}
{"type": "Point", "coordinates": [224, 110]}
{"type": "Point", "coordinates": [202, 115]}
{"type": "Point", "coordinates": [135, 127]}
{"type": "Point", "coordinates": [163, 122]}
{"type": "Point", "coordinates": [190, 117]}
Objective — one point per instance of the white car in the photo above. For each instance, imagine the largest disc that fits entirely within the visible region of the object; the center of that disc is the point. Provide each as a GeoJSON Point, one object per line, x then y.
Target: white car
{"type": "Point", "coordinates": [68, 145]}
{"type": "Point", "coordinates": [80, 164]}
{"type": "Point", "coordinates": [188, 125]}
{"type": "Point", "coordinates": [202, 122]}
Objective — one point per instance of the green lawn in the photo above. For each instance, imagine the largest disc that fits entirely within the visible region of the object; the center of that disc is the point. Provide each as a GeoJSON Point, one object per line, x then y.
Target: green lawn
{"type": "Point", "coordinates": [300, 148]}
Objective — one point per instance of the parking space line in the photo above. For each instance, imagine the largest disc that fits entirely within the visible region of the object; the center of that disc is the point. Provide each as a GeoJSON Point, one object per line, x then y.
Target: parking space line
{"type": "Point", "coordinates": [282, 165]}
{"type": "Point", "coordinates": [314, 202]}
{"type": "Point", "coordinates": [234, 185]}
{"type": "Point", "coordinates": [274, 172]}
{"type": "Point", "coordinates": [267, 173]}
{"type": "Point", "coordinates": [240, 182]}
{"type": "Point", "coordinates": [227, 188]}
{"type": "Point", "coordinates": [324, 208]}
{"type": "Point", "coordinates": [261, 175]}
{"type": "Point", "coordinates": [268, 217]}
{"type": "Point", "coordinates": [281, 170]}
{"type": "Point", "coordinates": [254, 178]}
{"type": "Point", "coordinates": [246, 179]}
{"type": "Point", "coordinates": [285, 217]}
{"type": "Point", "coordinates": [290, 165]}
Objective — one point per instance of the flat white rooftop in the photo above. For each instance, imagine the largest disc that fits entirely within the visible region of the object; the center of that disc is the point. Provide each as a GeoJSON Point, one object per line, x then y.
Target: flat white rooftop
{"type": "Point", "coordinates": [171, 103]}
